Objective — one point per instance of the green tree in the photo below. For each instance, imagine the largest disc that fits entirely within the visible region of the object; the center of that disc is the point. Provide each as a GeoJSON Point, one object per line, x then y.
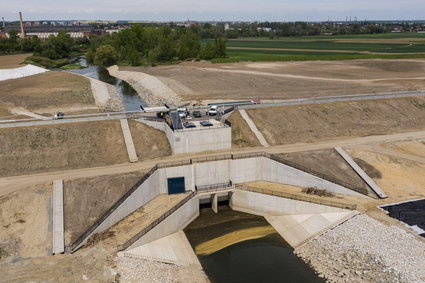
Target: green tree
{"type": "Point", "coordinates": [105, 56]}
{"type": "Point", "coordinates": [220, 47]}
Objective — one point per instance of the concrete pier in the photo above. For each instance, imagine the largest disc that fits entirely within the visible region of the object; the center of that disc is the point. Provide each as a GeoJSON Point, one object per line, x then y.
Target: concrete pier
{"type": "Point", "coordinates": [131, 150]}
{"type": "Point", "coordinates": [361, 173]}
{"type": "Point", "coordinates": [58, 228]}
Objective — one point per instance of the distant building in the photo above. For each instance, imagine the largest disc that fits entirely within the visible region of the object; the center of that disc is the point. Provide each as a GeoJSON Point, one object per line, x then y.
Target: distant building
{"type": "Point", "coordinates": [44, 31]}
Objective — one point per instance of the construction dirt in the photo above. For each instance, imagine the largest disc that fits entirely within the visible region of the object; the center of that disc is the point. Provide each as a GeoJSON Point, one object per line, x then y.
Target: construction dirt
{"type": "Point", "coordinates": [313, 123]}
{"type": "Point", "coordinates": [242, 136]}
{"type": "Point", "coordinates": [28, 150]}
{"type": "Point", "coordinates": [92, 197]}
{"type": "Point", "coordinates": [13, 61]}
{"type": "Point", "coordinates": [50, 89]}
{"type": "Point", "coordinates": [329, 163]}
{"type": "Point", "coordinates": [285, 80]}
{"type": "Point", "coordinates": [25, 226]}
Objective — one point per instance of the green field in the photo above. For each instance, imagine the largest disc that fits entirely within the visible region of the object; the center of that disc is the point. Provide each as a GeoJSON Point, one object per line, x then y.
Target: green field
{"type": "Point", "coordinates": [389, 46]}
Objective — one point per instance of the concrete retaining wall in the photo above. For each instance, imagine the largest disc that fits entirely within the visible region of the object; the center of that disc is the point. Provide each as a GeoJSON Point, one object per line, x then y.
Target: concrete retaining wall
{"type": "Point", "coordinates": [266, 205]}
{"type": "Point", "coordinates": [157, 125]}
{"type": "Point", "coordinates": [178, 220]}
{"type": "Point", "coordinates": [215, 172]}
{"type": "Point", "coordinates": [199, 140]}
{"type": "Point", "coordinates": [276, 172]}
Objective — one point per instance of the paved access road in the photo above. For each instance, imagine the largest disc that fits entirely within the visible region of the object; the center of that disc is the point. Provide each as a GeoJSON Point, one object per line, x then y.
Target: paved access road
{"type": "Point", "coordinates": [137, 114]}
{"type": "Point", "coordinates": [11, 184]}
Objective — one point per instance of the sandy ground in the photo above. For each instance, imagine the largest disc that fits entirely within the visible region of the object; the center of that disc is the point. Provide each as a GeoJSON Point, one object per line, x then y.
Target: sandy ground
{"type": "Point", "coordinates": [313, 123]}
{"type": "Point", "coordinates": [12, 61]}
{"type": "Point", "coordinates": [29, 150]}
{"type": "Point", "coordinates": [51, 89]}
{"type": "Point", "coordinates": [149, 142]}
{"type": "Point", "coordinates": [92, 197]}
{"type": "Point", "coordinates": [25, 228]}
{"type": "Point", "coordinates": [150, 88]}
{"type": "Point", "coordinates": [283, 80]}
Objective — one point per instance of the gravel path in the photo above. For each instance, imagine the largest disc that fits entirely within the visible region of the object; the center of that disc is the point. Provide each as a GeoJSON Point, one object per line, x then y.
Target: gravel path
{"type": "Point", "coordinates": [365, 250]}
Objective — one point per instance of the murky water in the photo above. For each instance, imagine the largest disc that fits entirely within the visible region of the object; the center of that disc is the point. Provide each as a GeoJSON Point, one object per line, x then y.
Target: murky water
{"type": "Point", "coordinates": [238, 247]}
{"type": "Point", "coordinates": [129, 96]}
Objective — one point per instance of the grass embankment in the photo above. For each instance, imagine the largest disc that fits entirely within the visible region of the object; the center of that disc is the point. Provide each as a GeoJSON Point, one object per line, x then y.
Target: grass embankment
{"type": "Point", "coordinates": [313, 123]}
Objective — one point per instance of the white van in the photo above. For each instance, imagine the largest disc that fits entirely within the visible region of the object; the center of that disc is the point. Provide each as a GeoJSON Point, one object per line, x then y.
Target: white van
{"type": "Point", "coordinates": [213, 110]}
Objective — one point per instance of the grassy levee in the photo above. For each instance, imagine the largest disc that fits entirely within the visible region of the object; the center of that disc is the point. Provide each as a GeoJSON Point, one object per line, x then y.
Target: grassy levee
{"type": "Point", "coordinates": [319, 122]}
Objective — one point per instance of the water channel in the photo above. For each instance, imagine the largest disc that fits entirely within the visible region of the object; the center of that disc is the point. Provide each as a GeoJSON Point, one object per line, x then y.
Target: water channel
{"type": "Point", "coordinates": [237, 247]}
{"type": "Point", "coordinates": [128, 94]}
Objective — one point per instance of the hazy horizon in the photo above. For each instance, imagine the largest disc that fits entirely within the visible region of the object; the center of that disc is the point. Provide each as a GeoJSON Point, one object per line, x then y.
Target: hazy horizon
{"type": "Point", "coordinates": [226, 10]}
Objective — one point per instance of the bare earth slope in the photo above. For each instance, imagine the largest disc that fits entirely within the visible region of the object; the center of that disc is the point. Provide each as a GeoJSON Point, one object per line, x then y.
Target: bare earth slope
{"type": "Point", "coordinates": [12, 61]}
{"type": "Point", "coordinates": [46, 89]}
{"type": "Point", "coordinates": [91, 197]}
{"type": "Point", "coordinates": [282, 80]}
{"type": "Point", "coordinates": [312, 123]}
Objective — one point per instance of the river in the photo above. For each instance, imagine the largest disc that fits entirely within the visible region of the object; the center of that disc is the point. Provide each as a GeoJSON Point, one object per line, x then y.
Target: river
{"type": "Point", "coordinates": [128, 94]}
{"type": "Point", "coordinates": [237, 247]}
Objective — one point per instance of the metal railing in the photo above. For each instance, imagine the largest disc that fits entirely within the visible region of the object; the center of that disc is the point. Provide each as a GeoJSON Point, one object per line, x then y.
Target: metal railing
{"type": "Point", "coordinates": [145, 230]}
{"type": "Point", "coordinates": [315, 173]}
{"type": "Point", "coordinates": [213, 187]}
{"type": "Point", "coordinates": [96, 224]}
{"type": "Point", "coordinates": [297, 197]}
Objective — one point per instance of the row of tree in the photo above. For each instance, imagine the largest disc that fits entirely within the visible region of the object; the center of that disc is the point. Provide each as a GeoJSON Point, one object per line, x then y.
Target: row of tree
{"type": "Point", "coordinates": [140, 45]}
{"type": "Point", "coordinates": [54, 47]}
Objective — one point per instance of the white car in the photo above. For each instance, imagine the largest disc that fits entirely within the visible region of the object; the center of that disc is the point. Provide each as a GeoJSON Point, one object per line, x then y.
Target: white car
{"type": "Point", "coordinates": [182, 112]}
{"type": "Point", "coordinates": [213, 110]}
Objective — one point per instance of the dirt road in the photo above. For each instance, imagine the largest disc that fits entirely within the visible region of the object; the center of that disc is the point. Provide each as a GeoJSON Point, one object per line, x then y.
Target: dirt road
{"type": "Point", "coordinates": [11, 184]}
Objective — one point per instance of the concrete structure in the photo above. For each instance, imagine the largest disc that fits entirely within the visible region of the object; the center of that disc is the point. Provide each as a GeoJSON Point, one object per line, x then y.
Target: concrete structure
{"type": "Point", "coordinates": [25, 71]}
{"type": "Point", "coordinates": [57, 218]}
{"type": "Point", "coordinates": [298, 229]}
{"type": "Point", "coordinates": [217, 137]}
{"type": "Point", "coordinates": [361, 173]}
{"type": "Point", "coordinates": [216, 172]}
{"type": "Point", "coordinates": [131, 150]}
{"type": "Point", "coordinates": [254, 128]}
{"type": "Point", "coordinates": [177, 221]}
{"type": "Point", "coordinates": [266, 205]}
{"type": "Point", "coordinates": [174, 249]}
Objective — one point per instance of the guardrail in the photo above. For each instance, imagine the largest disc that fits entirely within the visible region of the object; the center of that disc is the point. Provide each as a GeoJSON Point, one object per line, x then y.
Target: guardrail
{"type": "Point", "coordinates": [213, 187]}
{"type": "Point", "coordinates": [297, 197]}
{"type": "Point", "coordinates": [96, 224]}
{"type": "Point", "coordinates": [145, 230]}
{"type": "Point", "coordinates": [80, 239]}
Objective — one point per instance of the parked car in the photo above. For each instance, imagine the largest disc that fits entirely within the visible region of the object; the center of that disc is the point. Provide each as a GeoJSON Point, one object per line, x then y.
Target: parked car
{"type": "Point", "coordinates": [58, 115]}
{"type": "Point", "coordinates": [197, 114]}
{"type": "Point", "coordinates": [213, 110]}
{"type": "Point", "coordinates": [206, 123]}
{"type": "Point", "coordinates": [189, 125]}
{"type": "Point", "coordinates": [182, 112]}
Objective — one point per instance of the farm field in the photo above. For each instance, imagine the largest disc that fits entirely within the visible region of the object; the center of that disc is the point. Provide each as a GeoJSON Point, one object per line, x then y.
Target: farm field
{"type": "Point", "coordinates": [387, 46]}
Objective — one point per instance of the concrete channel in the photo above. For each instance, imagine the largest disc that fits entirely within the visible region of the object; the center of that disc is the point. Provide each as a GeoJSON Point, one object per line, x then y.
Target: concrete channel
{"type": "Point", "coordinates": [201, 173]}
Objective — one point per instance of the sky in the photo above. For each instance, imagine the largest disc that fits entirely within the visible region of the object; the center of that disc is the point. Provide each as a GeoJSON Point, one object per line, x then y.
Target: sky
{"type": "Point", "coordinates": [202, 10]}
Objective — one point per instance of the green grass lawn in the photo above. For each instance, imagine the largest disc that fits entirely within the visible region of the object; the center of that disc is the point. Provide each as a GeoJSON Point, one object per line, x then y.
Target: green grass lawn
{"type": "Point", "coordinates": [249, 49]}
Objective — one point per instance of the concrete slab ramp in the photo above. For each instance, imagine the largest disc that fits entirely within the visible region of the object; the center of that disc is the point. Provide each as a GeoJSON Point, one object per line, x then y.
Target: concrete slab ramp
{"type": "Point", "coordinates": [174, 249]}
{"type": "Point", "coordinates": [28, 70]}
{"type": "Point", "coordinates": [298, 229]}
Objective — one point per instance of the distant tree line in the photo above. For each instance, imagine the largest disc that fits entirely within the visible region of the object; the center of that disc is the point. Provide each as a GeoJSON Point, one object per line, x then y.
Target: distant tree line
{"type": "Point", "coordinates": [149, 45]}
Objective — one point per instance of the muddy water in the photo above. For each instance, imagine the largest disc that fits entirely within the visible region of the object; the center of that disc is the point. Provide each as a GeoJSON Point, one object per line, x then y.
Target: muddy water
{"type": "Point", "coordinates": [238, 247]}
{"type": "Point", "coordinates": [128, 94]}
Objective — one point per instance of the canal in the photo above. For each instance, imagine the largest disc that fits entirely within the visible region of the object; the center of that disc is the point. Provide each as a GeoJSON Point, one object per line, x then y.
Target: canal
{"type": "Point", "coordinates": [129, 96]}
{"type": "Point", "coordinates": [237, 247]}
